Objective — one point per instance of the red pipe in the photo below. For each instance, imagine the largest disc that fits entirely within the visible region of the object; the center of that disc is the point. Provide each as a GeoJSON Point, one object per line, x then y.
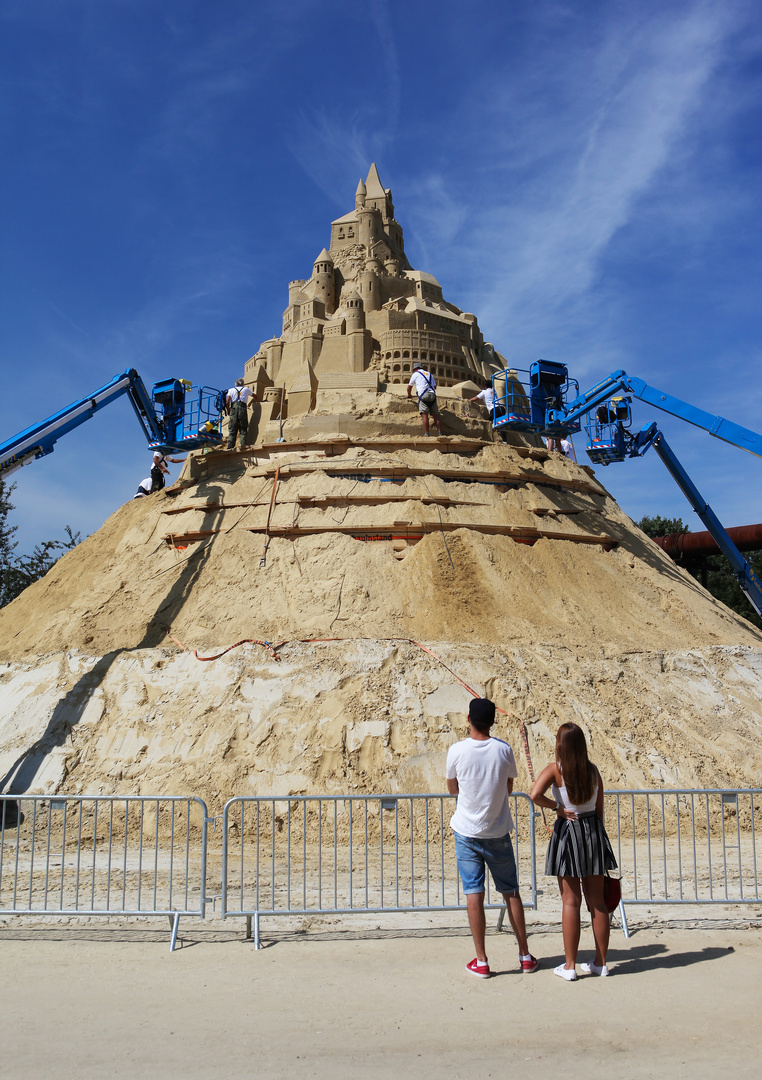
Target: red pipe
{"type": "Point", "coordinates": [745, 538]}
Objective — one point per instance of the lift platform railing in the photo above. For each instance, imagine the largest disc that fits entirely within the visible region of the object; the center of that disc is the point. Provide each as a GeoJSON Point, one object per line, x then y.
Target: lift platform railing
{"type": "Point", "coordinates": [524, 398]}
{"type": "Point", "coordinates": [203, 414]}
{"type": "Point", "coordinates": [608, 431]}
{"type": "Point", "coordinates": [191, 415]}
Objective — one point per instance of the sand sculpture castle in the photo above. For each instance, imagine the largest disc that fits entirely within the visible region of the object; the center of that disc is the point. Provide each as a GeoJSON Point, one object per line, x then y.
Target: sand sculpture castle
{"type": "Point", "coordinates": [365, 316]}
{"type": "Point", "coordinates": [353, 580]}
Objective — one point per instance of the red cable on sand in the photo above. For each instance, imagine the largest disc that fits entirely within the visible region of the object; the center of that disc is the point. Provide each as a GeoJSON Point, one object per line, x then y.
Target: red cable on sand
{"type": "Point", "coordinates": [315, 641]}
{"type": "Point", "coordinates": [243, 641]}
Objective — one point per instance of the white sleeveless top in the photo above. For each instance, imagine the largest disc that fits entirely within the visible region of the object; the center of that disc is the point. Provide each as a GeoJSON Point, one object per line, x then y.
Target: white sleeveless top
{"type": "Point", "coordinates": [561, 796]}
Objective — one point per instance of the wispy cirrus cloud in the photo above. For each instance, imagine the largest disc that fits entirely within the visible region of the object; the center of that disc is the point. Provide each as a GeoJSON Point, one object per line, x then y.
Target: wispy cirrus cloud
{"type": "Point", "coordinates": [333, 143]}
{"type": "Point", "coordinates": [552, 194]}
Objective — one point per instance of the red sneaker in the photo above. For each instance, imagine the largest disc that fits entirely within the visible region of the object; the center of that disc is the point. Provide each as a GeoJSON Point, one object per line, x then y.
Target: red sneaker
{"type": "Point", "coordinates": [528, 966]}
{"type": "Point", "coordinates": [481, 971]}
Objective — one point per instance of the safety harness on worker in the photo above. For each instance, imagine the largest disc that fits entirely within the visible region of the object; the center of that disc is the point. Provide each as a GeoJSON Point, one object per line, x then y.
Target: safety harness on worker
{"type": "Point", "coordinates": [237, 391]}
{"type": "Point", "coordinates": [423, 397]}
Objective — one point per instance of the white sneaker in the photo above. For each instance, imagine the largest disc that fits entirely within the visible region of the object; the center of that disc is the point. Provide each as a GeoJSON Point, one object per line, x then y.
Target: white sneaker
{"type": "Point", "coordinates": [593, 969]}
{"type": "Point", "coordinates": [565, 973]}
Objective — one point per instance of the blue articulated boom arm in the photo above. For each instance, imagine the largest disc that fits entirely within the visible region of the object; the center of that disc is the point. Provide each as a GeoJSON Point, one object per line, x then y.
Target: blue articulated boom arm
{"type": "Point", "coordinates": [620, 382]}
{"type": "Point", "coordinates": [39, 439]}
{"type": "Point", "coordinates": [747, 579]}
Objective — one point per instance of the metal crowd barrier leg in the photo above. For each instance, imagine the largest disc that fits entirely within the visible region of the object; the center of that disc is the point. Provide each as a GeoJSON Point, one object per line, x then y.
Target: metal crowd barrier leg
{"type": "Point", "coordinates": [255, 917]}
{"type": "Point", "coordinates": [175, 921]}
{"type": "Point", "coordinates": [623, 919]}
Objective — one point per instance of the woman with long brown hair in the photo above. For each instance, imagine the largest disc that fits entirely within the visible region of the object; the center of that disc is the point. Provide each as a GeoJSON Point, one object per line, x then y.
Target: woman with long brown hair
{"type": "Point", "coordinates": [579, 849]}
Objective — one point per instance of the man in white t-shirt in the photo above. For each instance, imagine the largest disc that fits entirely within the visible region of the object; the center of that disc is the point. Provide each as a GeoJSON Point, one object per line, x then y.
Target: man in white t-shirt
{"type": "Point", "coordinates": [487, 399]}
{"type": "Point", "coordinates": [236, 400]}
{"type": "Point", "coordinates": [426, 389]}
{"type": "Point", "coordinates": [481, 771]}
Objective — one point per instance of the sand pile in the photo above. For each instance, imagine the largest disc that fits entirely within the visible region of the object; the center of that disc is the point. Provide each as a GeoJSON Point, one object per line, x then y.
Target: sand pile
{"type": "Point", "coordinates": [125, 585]}
{"type": "Point", "coordinates": [514, 566]}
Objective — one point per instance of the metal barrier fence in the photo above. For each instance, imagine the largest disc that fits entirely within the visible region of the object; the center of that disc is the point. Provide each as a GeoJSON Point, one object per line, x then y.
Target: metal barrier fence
{"type": "Point", "coordinates": [102, 855]}
{"type": "Point", "coordinates": [683, 846]}
{"type": "Point", "coordinates": [361, 853]}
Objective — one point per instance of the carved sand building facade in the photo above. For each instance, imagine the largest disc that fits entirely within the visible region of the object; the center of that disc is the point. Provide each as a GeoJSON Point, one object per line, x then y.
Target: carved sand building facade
{"type": "Point", "coordinates": [365, 316]}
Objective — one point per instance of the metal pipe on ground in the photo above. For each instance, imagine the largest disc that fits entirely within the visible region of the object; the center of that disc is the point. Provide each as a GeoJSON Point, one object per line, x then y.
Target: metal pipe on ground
{"type": "Point", "coordinates": [745, 538]}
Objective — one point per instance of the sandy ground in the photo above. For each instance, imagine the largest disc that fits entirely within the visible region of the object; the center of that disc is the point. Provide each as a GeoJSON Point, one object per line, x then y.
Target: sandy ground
{"type": "Point", "coordinates": [682, 1001]}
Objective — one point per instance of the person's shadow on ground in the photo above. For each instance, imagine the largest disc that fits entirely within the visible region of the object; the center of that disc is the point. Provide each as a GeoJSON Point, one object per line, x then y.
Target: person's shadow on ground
{"type": "Point", "coordinates": [636, 959]}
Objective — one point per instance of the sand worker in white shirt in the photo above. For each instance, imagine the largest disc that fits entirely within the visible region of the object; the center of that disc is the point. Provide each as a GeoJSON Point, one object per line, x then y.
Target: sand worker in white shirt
{"type": "Point", "coordinates": [160, 469]}
{"type": "Point", "coordinates": [493, 407]}
{"type": "Point", "coordinates": [426, 388]}
{"type": "Point", "coordinates": [236, 400]}
{"type": "Point", "coordinates": [481, 771]}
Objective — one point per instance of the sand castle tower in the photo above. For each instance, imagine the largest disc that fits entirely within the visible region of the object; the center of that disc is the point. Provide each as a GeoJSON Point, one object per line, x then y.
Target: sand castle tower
{"type": "Point", "coordinates": [308, 615]}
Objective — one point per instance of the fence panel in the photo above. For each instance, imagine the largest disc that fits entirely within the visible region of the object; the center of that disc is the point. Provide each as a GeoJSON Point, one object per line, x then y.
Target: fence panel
{"type": "Point", "coordinates": [103, 855]}
{"type": "Point", "coordinates": [341, 854]}
{"type": "Point", "coordinates": [683, 846]}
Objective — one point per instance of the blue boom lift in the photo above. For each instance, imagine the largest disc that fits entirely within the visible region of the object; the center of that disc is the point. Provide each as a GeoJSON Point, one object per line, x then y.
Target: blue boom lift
{"type": "Point", "coordinates": [546, 410]}
{"type": "Point", "coordinates": [177, 416]}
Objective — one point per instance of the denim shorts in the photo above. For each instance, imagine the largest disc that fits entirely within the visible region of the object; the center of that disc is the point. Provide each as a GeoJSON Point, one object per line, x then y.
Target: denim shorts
{"type": "Point", "coordinates": [497, 853]}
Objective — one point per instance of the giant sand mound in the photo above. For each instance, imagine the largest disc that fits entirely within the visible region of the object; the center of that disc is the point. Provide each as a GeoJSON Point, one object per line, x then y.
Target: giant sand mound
{"type": "Point", "coordinates": [373, 576]}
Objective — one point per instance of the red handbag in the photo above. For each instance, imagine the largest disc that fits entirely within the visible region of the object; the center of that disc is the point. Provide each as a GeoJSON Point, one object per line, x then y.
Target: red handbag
{"type": "Point", "coordinates": [612, 892]}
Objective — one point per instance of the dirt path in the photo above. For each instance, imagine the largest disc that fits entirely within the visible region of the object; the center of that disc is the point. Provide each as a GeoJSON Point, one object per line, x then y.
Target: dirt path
{"type": "Point", "coordinates": [92, 1003]}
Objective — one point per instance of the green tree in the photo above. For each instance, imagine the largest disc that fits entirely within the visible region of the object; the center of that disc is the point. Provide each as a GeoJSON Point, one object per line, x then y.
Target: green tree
{"type": "Point", "coordinates": [713, 571]}
{"type": "Point", "coordinates": [18, 571]}
{"type": "Point", "coordinates": [659, 526]}
{"type": "Point", "coordinates": [722, 582]}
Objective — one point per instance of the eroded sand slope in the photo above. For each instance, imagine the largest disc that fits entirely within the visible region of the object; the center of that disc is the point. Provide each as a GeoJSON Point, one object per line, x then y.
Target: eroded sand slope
{"type": "Point", "coordinates": [94, 696]}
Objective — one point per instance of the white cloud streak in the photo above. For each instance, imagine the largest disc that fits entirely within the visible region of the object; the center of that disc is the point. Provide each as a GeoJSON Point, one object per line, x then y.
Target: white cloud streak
{"type": "Point", "coordinates": [332, 144]}
{"type": "Point", "coordinates": [539, 223]}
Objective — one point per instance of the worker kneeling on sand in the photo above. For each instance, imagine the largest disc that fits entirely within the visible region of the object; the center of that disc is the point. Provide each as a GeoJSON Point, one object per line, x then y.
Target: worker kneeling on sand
{"type": "Point", "coordinates": [426, 388]}
{"type": "Point", "coordinates": [481, 771]}
{"type": "Point", "coordinates": [236, 400]}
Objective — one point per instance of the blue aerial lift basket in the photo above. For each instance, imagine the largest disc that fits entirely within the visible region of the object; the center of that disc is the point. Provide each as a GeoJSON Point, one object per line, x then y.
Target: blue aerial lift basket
{"type": "Point", "coordinates": [190, 415]}
{"type": "Point", "coordinates": [607, 408]}
{"type": "Point", "coordinates": [177, 417]}
{"type": "Point", "coordinates": [535, 400]}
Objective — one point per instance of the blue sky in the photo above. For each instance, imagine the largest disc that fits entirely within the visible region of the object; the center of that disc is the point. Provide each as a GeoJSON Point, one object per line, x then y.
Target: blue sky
{"type": "Point", "coordinates": [584, 176]}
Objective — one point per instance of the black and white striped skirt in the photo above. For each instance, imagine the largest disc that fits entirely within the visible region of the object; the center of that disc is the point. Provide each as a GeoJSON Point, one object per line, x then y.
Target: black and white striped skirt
{"type": "Point", "coordinates": [579, 848]}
